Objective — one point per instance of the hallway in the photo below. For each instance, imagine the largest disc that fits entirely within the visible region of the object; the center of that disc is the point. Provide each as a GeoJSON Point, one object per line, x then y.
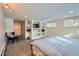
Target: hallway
{"type": "Point", "coordinates": [20, 48]}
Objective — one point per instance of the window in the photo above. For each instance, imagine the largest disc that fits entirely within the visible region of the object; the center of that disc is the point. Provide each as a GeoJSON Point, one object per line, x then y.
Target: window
{"type": "Point", "coordinates": [71, 23]}
{"type": "Point", "coordinates": [51, 24]}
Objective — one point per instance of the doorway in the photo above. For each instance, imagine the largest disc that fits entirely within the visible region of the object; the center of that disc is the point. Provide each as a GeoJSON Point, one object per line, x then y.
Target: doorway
{"type": "Point", "coordinates": [19, 28]}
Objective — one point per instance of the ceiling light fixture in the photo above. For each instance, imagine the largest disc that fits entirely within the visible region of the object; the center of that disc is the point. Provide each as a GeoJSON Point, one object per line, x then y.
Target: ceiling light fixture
{"type": "Point", "coordinates": [71, 11]}
{"type": "Point", "coordinates": [25, 16]}
{"type": "Point", "coordinates": [10, 10]}
{"type": "Point", "coordinates": [7, 6]}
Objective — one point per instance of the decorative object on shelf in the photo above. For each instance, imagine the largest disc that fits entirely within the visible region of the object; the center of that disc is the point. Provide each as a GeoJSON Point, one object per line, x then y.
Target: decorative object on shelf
{"type": "Point", "coordinates": [28, 30]}
{"type": "Point", "coordinates": [42, 30]}
{"type": "Point", "coordinates": [28, 38]}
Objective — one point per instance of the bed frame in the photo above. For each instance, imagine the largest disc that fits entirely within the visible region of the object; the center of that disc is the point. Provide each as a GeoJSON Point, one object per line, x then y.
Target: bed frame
{"type": "Point", "coordinates": [36, 51]}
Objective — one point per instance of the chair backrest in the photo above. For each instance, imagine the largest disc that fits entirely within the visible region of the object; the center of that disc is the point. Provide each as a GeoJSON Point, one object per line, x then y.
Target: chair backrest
{"type": "Point", "coordinates": [13, 33]}
{"type": "Point", "coordinates": [6, 34]}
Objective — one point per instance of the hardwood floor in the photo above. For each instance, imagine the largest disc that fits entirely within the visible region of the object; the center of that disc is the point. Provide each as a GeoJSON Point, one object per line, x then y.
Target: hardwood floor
{"type": "Point", "coordinates": [20, 48]}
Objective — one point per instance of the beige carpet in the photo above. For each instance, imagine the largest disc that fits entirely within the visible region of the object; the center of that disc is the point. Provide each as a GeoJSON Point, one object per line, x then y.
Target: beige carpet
{"type": "Point", "coordinates": [20, 48]}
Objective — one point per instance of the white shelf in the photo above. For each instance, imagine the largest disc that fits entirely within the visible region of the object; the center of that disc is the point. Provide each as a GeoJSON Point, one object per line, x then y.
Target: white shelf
{"type": "Point", "coordinates": [36, 32]}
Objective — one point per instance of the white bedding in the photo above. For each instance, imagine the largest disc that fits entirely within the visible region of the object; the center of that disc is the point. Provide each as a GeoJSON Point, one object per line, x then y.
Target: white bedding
{"type": "Point", "coordinates": [58, 46]}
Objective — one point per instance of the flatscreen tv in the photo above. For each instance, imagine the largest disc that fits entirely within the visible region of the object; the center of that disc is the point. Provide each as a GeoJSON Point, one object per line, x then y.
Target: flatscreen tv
{"type": "Point", "coordinates": [36, 25]}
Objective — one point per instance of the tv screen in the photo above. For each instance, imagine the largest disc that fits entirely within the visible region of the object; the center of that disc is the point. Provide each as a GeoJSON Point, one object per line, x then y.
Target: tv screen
{"type": "Point", "coordinates": [36, 26]}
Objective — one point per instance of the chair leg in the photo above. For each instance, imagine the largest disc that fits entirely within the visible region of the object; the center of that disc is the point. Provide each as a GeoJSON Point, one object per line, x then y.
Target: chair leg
{"type": "Point", "coordinates": [12, 40]}
{"type": "Point", "coordinates": [16, 38]}
{"type": "Point", "coordinates": [7, 41]}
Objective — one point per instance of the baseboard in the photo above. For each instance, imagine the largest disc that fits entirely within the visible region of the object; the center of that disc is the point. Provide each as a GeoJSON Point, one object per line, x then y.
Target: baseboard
{"type": "Point", "coordinates": [3, 49]}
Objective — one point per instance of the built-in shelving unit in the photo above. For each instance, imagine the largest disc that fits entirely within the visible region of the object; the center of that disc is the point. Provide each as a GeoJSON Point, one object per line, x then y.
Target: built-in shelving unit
{"type": "Point", "coordinates": [38, 29]}
{"type": "Point", "coordinates": [28, 29]}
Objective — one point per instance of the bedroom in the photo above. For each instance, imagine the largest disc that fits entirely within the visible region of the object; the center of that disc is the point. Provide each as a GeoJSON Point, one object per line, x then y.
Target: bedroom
{"type": "Point", "coordinates": [54, 25]}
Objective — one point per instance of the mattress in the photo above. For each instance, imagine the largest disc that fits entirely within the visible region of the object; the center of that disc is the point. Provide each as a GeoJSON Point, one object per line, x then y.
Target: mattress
{"type": "Point", "coordinates": [57, 46]}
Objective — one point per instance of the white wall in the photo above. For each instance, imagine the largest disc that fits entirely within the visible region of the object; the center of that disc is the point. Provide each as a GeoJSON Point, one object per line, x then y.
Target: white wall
{"type": "Point", "coordinates": [9, 24]}
{"type": "Point", "coordinates": [2, 31]}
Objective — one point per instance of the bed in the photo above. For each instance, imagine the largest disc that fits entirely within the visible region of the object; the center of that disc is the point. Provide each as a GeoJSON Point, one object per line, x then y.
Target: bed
{"type": "Point", "coordinates": [55, 46]}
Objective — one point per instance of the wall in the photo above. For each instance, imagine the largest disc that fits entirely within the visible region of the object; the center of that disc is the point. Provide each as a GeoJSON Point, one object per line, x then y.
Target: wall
{"type": "Point", "coordinates": [9, 24]}
{"type": "Point", "coordinates": [60, 30]}
{"type": "Point", "coordinates": [2, 31]}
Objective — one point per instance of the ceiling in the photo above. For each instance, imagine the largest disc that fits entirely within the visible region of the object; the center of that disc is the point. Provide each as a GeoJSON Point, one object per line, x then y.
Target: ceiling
{"type": "Point", "coordinates": [41, 11]}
